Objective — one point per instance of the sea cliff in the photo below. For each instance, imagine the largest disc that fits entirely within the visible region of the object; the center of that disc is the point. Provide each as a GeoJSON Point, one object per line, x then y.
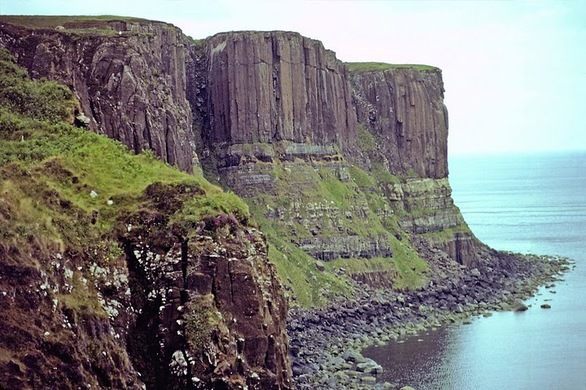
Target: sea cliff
{"type": "Point", "coordinates": [340, 186]}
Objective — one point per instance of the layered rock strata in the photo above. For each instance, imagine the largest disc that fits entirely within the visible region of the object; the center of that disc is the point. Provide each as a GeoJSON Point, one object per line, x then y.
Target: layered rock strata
{"type": "Point", "coordinates": [402, 108]}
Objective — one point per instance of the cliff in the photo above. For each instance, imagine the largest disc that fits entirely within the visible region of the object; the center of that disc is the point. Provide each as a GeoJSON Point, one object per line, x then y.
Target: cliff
{"type": "Point", "coordinates": [401, 107]}
{"type": "Point", "coordinates": [265, 87]}
{"type": "Point", "coordinates": [343, 167]}
{"type": "Point", "coordinates": [118, 271]}
{"type": "Point", "coordinates": [261, 106]}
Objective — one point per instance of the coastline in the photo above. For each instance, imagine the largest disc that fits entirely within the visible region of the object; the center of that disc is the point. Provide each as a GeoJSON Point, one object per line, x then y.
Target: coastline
{"type": "Point", "coordinates": [326, 343]}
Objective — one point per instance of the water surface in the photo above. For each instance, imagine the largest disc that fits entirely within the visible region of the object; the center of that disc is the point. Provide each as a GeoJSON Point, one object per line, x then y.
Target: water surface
{"type": "Point", "coordinates": [523, 203]}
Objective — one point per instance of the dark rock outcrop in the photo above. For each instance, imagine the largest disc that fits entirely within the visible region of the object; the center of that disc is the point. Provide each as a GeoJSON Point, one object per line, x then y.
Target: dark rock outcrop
{"type": "Point", "coordinates": [211, 310]}
{"type": "Point", "coordinates": [185, 306]}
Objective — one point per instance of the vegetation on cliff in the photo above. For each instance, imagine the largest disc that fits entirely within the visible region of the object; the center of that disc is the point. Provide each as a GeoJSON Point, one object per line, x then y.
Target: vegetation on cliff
{"type": "Point", "coordinates": [359, 67]}
{"type": "Point", "coordinates": [38, 142]}
{"type": "Point", "coordinates": [79, 25]}
{"type": "Point", "coordinates": [337, 213]}
{"type": "Point", "coordinates": [97, 242]}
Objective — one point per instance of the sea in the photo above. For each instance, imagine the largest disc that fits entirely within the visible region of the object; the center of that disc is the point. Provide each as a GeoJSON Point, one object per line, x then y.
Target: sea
{"type": "Point", "coordinates": [527, 203]}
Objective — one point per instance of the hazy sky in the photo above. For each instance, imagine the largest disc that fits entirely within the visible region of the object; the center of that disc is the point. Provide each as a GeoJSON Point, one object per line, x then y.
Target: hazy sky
{"type": "Point", "coordinates": [514, 71]}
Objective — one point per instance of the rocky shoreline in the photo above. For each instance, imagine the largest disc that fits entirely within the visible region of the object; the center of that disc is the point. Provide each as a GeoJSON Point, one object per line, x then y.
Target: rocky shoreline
{"type": "Point", "coordinates": [325, 344]}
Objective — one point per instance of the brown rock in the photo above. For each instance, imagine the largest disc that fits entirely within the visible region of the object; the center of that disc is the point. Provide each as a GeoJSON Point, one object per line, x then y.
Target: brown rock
{"type": "Point", "coordinates": [404, 108]}
{"type": "Point", "coordinates": [266, 87]}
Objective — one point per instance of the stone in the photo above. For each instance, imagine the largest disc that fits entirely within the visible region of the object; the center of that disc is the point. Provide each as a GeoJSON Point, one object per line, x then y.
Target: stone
{"type": "Point", "coordinates": [82, 121]}
{"type": "Point", "coordinates": [519, 306]}
{"type": "Point", "coordinates": [368, 379]}
{"type": "Point", "coordinates": [353, 356]}
{"type": "Point", "coordinates": [546, 306]}
{"type": "Point", "coordinates": [320, 265]}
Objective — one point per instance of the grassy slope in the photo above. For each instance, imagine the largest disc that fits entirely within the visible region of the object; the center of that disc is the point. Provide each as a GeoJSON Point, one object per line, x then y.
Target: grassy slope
{"type": "Point", "coordinates": [62, 187]}
{"type": "Point", "coordinates": [46, 21]}
{"type": "Point", "coordinates": [319, 184]}
{"type": "Point", "coordinates": [74, 25]}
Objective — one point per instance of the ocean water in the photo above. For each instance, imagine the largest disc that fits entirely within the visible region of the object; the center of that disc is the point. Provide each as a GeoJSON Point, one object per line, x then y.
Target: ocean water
{"type": "Point", "coordinates": [534, 203]}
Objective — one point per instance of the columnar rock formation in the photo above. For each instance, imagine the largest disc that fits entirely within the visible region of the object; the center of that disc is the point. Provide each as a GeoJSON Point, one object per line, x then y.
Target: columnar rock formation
{"type": "Point", "coordinates": [265, 87]}
{"type": "Point", "coordinates": [339, 162]}
{"type": "Point", "coordinates": [404, 107]}
{"type": "Point", "coordinates": [247, 99]}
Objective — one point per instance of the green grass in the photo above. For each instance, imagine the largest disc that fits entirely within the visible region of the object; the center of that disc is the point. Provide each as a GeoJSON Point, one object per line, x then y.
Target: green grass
{"type": "Point", "coordinates": [300, 188]}
{"type": "Point", "coordinates": [407, 270]}
{"type": "Point", "coordinates": [412, 269]}
{"type": "Point", "coordinates": [333, 189]}
{"type": "Point", "coordinates": [200, 322]}
{"type": "Point", "coordinates": [297, 270]}
{"type": "Point", "coordinates": [43, 21]}
{"type": "Point", "coordinates": [99, 25]}
{"type": "Point", "coordinates": [383, 175]}
{"type": "Point", "coordinates": [63, 187]}
{"type": "Point", "coordinates": [359, 67]}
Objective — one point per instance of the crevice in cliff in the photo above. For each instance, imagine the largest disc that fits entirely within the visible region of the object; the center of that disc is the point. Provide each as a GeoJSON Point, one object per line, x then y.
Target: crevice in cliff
{"type": "Point", "coordinates": [143, 348]}
{"type": "Point", "coordinates": [147, 131]}
{"type": "Point", "coordinates": [184, 265]}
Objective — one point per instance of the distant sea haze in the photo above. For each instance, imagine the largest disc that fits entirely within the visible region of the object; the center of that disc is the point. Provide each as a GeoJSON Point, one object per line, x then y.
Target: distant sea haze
{"type": "Point", "coordinates": [525, 203]}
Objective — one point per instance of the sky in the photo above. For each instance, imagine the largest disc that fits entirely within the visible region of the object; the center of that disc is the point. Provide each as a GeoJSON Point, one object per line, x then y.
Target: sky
{"type": "Point", "coordinates": [514, 71]}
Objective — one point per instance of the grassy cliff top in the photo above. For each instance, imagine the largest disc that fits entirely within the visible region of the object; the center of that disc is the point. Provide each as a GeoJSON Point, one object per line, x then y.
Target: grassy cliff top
{"type": "Point", "coordinates": [55, 178]}
{"type": "Point", "coordinates": [360, 67]}
{"type": "Point", "coordinates": [45, 21]}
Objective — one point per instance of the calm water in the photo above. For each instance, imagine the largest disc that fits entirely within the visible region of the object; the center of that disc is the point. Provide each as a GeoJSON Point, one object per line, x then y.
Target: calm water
{"type": "Point", "coordinates": [526, 203]}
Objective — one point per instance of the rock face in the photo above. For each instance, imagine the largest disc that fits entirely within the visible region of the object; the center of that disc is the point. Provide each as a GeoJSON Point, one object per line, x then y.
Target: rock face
{"type": "Point", "coordinates": [336, 163]}
{"type": "Point", "coordinates": [182, 307]}
{"type": "Point", "coordinates": [265, 87]}
{"type": "Point", "coordinates": [211, 311]}
{"type": "Point", "coordinates": [404, 108]}
{"type": "Point", "coordinates": [129, 77]}
{"type": "Point", "coordinates": [248, 101]}
{"type": "Point", "coordinates": [46, 343]}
